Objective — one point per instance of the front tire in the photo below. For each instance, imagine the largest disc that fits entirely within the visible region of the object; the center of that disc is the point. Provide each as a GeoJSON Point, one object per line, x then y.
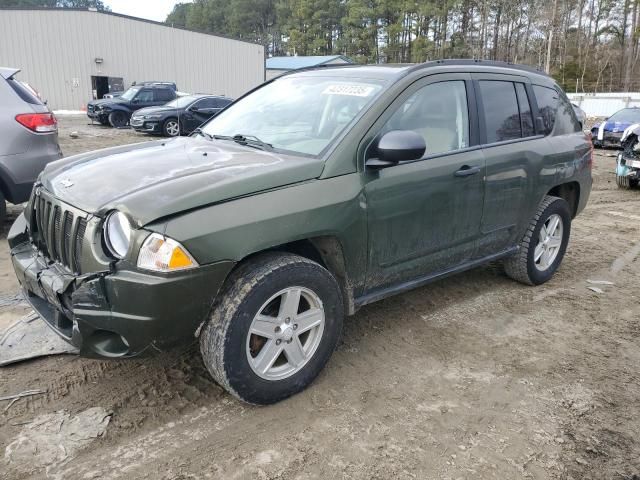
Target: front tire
{"type": "Point", "coordinates": [118, 119]}
{"type": "Point", "coordinates": [171, 127]}
{"type": "Point", "coordinates": [273, 328]}
{"type": "Point", "coordinates": [544, 244]}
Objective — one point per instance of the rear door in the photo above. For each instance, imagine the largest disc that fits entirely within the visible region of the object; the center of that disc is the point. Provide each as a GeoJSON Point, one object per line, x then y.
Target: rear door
{"type": "Point", "coordinates": [424, 216]}
{"type": "Point", "coordinates": [514, 155]}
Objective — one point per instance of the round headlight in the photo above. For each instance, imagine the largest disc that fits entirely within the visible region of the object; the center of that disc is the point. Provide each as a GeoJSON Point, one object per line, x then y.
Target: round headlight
{"type": "Point", "coordinates": [117, 234]}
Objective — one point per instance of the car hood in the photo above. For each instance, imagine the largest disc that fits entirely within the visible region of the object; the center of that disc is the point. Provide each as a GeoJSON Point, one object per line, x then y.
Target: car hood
{"type": "Point", "coordinates": [155, 179]}
{"type": "Point", "coordinates": [105, 101]}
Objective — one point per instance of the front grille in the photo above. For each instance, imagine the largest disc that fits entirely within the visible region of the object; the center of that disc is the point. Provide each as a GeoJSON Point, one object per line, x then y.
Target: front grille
{"type": "Point", "coordinates": [58, 231]}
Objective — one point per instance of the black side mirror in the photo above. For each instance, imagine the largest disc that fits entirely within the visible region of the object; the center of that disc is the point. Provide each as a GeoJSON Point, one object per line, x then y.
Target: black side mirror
{"type": "Point", "coordinates": [398, 146]}
{"type": "Point", "coordinates": [195, 108]}
{"type": "Point", "coordinates": [135, 100]}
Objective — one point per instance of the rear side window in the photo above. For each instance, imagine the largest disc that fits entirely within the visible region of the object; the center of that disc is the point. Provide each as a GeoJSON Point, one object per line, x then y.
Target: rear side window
{"type": "Point", "coordinates": [526, 117]}
{"type": "Point", "coordinates": [501, 112]}
{"type": "Point", "coordinates": [555, 110]}
{"type": "Point", "coordinates": [163, 95]}
{"type": "Point", "coordinates": [23, 92]}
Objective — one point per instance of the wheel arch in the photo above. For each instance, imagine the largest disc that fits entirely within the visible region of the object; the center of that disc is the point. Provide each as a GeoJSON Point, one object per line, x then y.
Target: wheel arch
{"type": "Point", "coordinates": [569, 192]}
{"type": "Point", "coordinates": [325, 250]}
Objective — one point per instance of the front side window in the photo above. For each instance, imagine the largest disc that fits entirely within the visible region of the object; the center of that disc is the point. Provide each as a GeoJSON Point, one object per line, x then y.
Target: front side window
{"type": "Point", "coordinates": [129, 94]}
{"type": "Point", "coordinates": [206, 103]}
{"type": "Point", "coordinates": [501, 112]}
{"type": "Point", "coordinates": [145, 96]}
{"type": "Point", "coordinates": [298, 114]}
{"type": "Point", "coordinates": [439, 113]}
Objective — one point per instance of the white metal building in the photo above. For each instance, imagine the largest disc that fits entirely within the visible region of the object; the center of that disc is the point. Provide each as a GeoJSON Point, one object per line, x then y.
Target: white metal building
{"type": "Point", "coordinates": [73, 55]}
{"type": "Point", "coordinates": [604, 104]}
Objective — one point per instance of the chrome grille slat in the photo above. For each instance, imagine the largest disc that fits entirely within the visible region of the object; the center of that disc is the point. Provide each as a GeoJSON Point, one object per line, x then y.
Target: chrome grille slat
{"type": "Point", "coordinates": [56, 243]}
{"type": "Point", "coordinates": [59, 230]}
{"type": "Point", "coordinates": [67, 222]}
{"type": "Point", "coordinates": [82, 227]}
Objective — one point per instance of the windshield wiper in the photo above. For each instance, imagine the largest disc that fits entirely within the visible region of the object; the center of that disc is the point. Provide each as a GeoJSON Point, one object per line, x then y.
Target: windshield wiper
{"type": "Point", "coordinates": [246, 140]}
{"type": "Point", "coordinates": [251, 140]}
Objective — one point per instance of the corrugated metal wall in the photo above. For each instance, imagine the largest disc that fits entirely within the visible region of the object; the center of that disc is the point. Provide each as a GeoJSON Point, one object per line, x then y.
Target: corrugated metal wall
{"type": "Point", "coordinates": [56, 51]}
{"type": "Point", "coordinates": [604, 104]}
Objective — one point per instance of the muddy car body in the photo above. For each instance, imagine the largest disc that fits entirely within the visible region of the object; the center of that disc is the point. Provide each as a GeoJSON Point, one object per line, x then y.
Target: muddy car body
{"type": "Point", "coordinates": [259, 240]}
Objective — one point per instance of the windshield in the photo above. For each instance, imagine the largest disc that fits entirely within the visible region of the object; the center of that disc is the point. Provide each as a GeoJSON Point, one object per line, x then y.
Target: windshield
{"type": "Point", "coordinates": [129, 94]}
{"type": "Point", "coordinates": [302, 115]}
{"type": "Point", "coordinates": [627, 115]}
{"type": "Point", "coordinates": [180, 102]}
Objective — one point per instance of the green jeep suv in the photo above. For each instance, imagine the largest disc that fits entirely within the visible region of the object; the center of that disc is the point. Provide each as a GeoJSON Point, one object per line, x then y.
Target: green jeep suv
{"type": "Point", "coordinates": [316, 193]}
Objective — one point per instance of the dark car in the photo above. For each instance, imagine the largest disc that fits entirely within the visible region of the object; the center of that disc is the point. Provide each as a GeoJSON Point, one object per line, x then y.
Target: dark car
{"type": "Point", "coordinates": [608, 133]}
{"type": "Point", "coordinates": [317, 193]}
{"type": "Point", "coordinates": [180, 116]}
{"type": "Point", "coordinates": [117, 111]}
{"type": "Point", "coordinates": [28, 138]}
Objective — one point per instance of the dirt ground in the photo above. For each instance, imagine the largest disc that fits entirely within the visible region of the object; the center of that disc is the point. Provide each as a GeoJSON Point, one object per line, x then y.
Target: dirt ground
{"type": "Point", "coordinates": [474, 377]}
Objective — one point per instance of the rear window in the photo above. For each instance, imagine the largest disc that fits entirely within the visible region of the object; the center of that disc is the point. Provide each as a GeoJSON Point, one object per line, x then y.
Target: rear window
{"type": "Point", "coordinates": [556, 111]}
{"type": "Point", "coordinates": [23, 92]}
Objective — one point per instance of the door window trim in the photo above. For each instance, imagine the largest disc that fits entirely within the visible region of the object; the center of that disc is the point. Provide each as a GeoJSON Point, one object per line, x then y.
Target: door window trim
{"type": "Point", "coordinates": [477, 77]}
{"type": "Point", "coordinates": [472, 111]}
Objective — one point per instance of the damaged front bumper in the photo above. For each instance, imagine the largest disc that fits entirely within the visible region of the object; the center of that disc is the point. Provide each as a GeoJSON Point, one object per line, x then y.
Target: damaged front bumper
{"type": "Point", "coordinates": [116, 313]}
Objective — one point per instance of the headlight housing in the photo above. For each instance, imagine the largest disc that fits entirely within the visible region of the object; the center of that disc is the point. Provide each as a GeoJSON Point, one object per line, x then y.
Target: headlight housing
{"type": "Point", "coordinates": [117, 234]}
{"type": "Point", "coordinates": [152, 117]}
{"type": "Point", "coordinates": [163, 254]}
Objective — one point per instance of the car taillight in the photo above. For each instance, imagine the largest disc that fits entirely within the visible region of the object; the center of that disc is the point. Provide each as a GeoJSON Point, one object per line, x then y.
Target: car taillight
{"type": "Point", "coordinates": [38, 122]}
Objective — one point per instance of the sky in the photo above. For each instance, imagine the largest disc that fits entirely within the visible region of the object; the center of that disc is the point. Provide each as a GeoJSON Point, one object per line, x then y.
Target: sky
{"type": "Point", "coordinates": [150, 9]}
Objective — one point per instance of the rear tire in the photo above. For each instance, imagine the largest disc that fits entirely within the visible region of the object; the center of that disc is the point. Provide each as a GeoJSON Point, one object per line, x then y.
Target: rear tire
{"type": "Point", "coordinates": [541, 252]}
{"type": "Point", "coordinates": [273, 327]}
{"type": "Point", "coordinates": [118, 119]}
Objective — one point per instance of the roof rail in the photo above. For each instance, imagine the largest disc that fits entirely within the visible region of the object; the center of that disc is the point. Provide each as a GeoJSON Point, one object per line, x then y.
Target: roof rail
{"type": "Point", "coordinates": [480, 62]}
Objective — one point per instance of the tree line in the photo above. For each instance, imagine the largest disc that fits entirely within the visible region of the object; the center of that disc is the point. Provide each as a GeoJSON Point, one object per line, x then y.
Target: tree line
{"type": "Point", "coordinates": [97, 4]}
{"type": "Point", "coordinates": [587, 45]}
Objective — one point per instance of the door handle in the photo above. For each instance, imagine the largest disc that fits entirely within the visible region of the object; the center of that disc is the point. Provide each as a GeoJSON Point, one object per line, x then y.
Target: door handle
{"type": "Point", "coordinates": [466, 171]}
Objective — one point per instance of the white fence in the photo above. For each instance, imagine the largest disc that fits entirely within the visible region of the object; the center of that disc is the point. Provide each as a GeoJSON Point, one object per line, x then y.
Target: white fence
{"type": "Point", "coordinates": [604, 104]}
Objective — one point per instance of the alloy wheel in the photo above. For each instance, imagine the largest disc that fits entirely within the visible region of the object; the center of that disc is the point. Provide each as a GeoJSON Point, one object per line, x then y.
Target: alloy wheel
{"type": "Point", "coordinates": [172, 128]}
{"type": "Point", "coordinates": [285, 333]}
{"type": "Point", "coordinates": [549, 242]}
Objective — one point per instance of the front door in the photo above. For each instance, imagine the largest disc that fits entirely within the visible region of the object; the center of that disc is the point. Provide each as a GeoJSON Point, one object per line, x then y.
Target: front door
{"type": "Point", "coordinates": [198, 113]}
{"type": "Point", "coordinates": [424, 216]}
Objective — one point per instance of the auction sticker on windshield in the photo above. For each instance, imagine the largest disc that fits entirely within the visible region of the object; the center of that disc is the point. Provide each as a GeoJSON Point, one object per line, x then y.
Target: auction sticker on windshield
{"type": "Point", "coordinates": [351, 90]}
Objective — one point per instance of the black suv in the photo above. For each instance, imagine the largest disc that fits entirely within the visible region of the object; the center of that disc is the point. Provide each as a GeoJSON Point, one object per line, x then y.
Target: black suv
{"type": "Point", "coordinates": [117, 111]}
{"type": "Point", "coordinates": [180, 116]}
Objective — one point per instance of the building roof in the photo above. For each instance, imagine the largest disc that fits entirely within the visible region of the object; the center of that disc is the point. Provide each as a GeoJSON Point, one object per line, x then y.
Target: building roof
{"type": "Point", "coordinates": [129, 17]}
{"type": "Point", "coordinates": [293, 63]}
